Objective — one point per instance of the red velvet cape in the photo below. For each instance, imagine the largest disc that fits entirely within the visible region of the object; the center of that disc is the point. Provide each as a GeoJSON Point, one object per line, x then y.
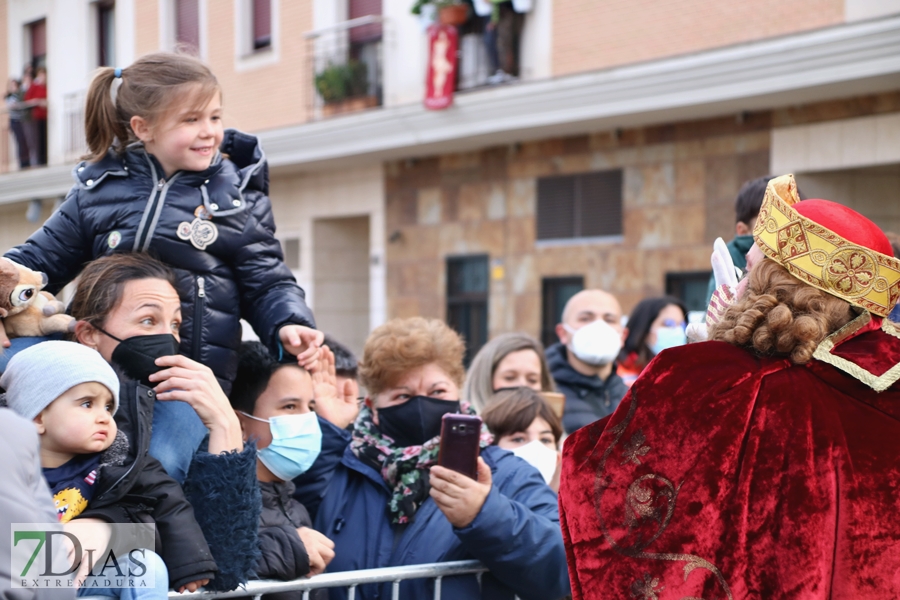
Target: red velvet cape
{"type": "Point", "coordinates": [726, 475]}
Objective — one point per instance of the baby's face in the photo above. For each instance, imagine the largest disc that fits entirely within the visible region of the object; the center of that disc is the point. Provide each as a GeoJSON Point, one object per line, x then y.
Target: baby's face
{"type": "Point", "coordinates": [78, 422]}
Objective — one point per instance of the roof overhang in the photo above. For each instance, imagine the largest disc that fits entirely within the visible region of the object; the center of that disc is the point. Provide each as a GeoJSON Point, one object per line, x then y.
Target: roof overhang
{"type": "Point", "coordinates": [841, 61]}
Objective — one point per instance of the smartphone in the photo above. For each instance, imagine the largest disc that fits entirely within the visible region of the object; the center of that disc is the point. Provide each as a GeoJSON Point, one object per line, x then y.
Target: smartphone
{"type": "Point", "coordinates": [459, 443]}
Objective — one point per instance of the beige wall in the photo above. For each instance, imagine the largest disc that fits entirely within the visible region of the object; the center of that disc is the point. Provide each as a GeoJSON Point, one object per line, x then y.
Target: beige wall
{"type": "Point", "coordinates": [14, 228]}
{"type": "Point", "coordinates": [305, 207]}
{"type": "Point", "coordinates": [870, 191]}
{"type": "Point", "coordinates": [146, 30]}
{"type": "Point", "coordinates": [589, 34]}
{"type": "Point", "coordinates": [7, 146]}
{"type": "Point", "coordinates": [259, 94]}
{"type": "Point", "coordinates": [264, 91]}
{"type": "Point", "coordinates": [341, 279]}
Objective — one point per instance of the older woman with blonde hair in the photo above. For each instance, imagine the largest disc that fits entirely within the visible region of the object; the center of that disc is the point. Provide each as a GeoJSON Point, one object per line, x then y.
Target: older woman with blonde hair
{"type": "Point", "coordinates": [380, 496]}
{"type": "Point", "coordinates": [507, 361]}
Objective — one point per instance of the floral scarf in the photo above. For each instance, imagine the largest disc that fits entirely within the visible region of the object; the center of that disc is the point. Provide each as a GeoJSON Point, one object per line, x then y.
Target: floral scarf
{"type": "Point", "coordinates": [405, 470]}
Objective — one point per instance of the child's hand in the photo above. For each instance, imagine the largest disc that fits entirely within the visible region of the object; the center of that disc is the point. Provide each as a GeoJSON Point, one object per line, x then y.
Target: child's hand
{"type": "Point", "coordinates": [4, 340]}
{"type": "Point", "coordinates": [302, 342]}
{"type": "Point", "coordinates": [319, 548]}
{"type": "Point", "coordinates": [193, 586]}
{"type": "Point", "coordinates": [339, 407]}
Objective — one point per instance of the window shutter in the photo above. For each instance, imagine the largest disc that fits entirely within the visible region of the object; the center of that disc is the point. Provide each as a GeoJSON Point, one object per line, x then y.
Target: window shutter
{"type": "Point", "coordinates": [262, 24]}
{"type": "Point", "coordinates": [556, 207]}
{"type": "Point", "coordinates": [601, 204]}
{"type": "Point", "coordinates": [365, 33]}
{"type": "Point", "coordinates": [187, 24]}
{"type": "Point", "coordinates": [38, 38]}
{"type": "Point", "coordinates": [578, 206]}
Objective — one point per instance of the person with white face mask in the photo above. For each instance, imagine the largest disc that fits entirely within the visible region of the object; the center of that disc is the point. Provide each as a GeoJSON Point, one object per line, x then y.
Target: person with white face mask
{"type": "Point", "coordinates": [272, 402]}
{"type": "Point", "coordinates": [523, 423]}
{"type": "Point", "coordinates": [583, 362]}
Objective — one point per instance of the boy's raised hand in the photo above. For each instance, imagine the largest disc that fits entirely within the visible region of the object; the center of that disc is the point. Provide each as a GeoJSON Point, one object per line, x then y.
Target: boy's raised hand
{"type": "Point", "coordinates": [337, 406]}
{"type": "Point", "coordinates": [302, 342]}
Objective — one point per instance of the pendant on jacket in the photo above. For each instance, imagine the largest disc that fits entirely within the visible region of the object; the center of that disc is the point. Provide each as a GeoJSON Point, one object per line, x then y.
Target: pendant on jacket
{"type": "Point", "coordinates": [201, 232]}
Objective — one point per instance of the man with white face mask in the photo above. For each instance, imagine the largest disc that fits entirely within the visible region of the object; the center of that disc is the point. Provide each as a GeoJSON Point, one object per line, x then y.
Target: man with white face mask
{"type": "Point", "coordinates": [583, 362]}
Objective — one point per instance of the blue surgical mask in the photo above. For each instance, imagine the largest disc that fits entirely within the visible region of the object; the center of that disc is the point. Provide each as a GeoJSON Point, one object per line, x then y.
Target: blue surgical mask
{"type": "Point", "coordinates": [296, 443]}
{"type": "Point", "coordinates": [668, 337]}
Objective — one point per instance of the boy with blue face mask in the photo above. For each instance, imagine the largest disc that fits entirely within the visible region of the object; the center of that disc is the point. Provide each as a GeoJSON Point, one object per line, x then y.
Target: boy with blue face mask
{"type": "Point", "coordinates": [272, 401]}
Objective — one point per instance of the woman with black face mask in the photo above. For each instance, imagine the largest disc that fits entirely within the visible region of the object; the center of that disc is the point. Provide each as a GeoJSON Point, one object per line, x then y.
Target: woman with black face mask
{"type": "Point", "coordinates": [379, 495]}
{"type": "Point", "coordinates": [127, 308]}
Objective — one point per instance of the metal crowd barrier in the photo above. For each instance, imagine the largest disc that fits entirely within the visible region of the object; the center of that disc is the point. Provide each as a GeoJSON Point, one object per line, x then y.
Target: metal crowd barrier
{"type": "Point", "coordinates": [347, 579]}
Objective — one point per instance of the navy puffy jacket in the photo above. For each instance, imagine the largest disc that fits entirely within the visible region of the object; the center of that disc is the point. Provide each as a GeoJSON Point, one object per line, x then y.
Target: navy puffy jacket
{"type": "Point", "coordinates": [516, 534]}
{"type": "Point", "coordinates": [124, 203]}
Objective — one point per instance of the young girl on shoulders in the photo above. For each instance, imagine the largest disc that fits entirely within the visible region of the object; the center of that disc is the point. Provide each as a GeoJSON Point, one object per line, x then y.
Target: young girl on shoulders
{"type": "Point", "coordinates": [163, 176]}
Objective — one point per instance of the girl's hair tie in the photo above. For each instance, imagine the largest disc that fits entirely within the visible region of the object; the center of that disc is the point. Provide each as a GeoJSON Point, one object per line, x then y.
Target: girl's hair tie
{"type": "Point", "coordinates": [117, 73]}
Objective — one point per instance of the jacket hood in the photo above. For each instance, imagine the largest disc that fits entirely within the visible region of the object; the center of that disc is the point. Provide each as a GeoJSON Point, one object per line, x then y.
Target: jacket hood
{"type": "Point", "coordinates": [562, 371]}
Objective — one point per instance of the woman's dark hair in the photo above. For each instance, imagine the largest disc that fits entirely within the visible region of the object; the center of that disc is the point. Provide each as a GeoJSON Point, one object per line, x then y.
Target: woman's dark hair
{"type": "Point", "coordinates": [510, 411]}
{"type": "Point", "coordinates": [102, 282]}
{"type": "Point", "coordinates": [255, 368]}
{"type": "Point", "coordinates": [149, 88]}
{"type": "Point", "coordinates": [639, 323]}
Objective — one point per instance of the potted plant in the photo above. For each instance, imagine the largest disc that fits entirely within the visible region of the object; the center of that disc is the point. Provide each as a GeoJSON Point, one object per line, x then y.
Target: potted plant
{"type": "Point", "coordinates": [344, 87]}
{"type": "Point", "coordinates": [450, 12]}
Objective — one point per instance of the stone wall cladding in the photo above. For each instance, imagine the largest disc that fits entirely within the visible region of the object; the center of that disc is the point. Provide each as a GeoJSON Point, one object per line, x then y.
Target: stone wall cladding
{"type": "Point", "coordinates": [679, 187]}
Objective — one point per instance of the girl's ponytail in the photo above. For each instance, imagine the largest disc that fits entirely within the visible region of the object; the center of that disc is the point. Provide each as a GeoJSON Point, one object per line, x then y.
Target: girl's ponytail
{"type": "Point", "coordinates": [102, 123]}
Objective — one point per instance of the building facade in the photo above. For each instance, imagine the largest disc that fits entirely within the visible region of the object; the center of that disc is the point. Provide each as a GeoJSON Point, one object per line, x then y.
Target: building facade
{"type": "Point", "coordinates": [611, 160]}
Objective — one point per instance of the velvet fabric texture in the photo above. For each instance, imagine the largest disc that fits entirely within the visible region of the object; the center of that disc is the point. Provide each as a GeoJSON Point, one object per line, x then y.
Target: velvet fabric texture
{"type": "Point", "coordinates": [727, 475]}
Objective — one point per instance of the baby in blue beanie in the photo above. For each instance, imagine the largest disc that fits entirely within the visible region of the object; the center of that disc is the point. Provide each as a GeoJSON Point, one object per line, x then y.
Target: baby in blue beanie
{"type": "Point", "coordinates": [71, 394]}
{"type": "Point", "coordinates": [97, 471]}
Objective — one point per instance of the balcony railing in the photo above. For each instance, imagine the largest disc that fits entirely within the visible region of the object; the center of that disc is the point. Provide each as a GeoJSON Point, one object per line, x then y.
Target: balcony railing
{"type": "Point", "coordinates": [74, 145]}
{"type": "Point", "coordinates": [345, 66]}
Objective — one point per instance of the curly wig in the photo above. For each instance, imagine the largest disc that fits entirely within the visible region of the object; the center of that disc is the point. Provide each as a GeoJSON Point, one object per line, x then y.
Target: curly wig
{"type": "Point", "coordinates": [779, 315]}
{"type": "Point", "coordinates": [400, 345]}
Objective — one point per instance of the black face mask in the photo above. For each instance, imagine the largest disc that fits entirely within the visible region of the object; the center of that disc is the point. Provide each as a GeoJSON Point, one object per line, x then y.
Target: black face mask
{"type": "Point", "coordinates": [137, 355]}
{"type": "Point", "coordinates": [415, 421]}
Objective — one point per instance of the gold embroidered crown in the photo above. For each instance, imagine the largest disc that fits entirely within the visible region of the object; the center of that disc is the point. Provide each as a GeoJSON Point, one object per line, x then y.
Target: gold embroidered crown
{"type": "Point", "coordinates": [822, 258]}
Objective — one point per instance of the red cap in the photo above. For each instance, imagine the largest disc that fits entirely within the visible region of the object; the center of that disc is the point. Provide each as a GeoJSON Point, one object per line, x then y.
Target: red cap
{"type": "Point", "coordinates": [847, 223]}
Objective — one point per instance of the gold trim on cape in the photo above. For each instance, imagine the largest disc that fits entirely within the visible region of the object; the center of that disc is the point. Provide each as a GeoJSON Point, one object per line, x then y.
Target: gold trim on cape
{"type": "Point", "coordinates": [823, 352]}
{"type": "Point", "coordinates": [823, 259]}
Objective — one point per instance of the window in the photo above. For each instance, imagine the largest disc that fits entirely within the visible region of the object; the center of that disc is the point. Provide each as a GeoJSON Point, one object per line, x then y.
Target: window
{"type": "Point", "coordinates": [106, 34]}
{"type": "Point", "coordinates": [187, 25]}
{"type": "Point", "coordinates": [262, 24]}
{"type": "Point", "coordinates": [467, 300]}
{"type": "Point", "coordinates": [579, 206]}
{"type": "Point", "coordinates": [556, 292]}
{"type": "Point", "coordinates": [690, 288]}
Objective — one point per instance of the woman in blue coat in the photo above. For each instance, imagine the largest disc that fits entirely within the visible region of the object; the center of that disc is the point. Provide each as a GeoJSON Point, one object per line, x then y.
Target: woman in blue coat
{"type": "Point", "coordinates": [379, 495]}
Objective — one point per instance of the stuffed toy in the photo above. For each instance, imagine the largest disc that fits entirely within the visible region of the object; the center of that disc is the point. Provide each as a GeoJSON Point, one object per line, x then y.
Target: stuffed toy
{"type": "Point", "coordinates": [25, 309]}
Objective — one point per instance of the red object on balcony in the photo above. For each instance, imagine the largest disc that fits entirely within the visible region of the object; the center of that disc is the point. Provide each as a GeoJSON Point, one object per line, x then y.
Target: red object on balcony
{"type": "Point", "coordinates": [454, 14]}
{"type": "Point", "coordinates": [443, 41]}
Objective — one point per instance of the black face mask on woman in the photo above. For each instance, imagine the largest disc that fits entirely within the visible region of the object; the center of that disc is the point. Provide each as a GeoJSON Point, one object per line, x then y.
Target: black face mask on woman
{"type": "Point", "coordinates": [415, 421]}
{"type": "Point", "coordinates": [137, 355]}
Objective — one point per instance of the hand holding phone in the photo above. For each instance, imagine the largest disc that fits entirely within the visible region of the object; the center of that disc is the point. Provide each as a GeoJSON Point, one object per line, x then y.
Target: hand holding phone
{"type": "Point", "coordinates": [459, 443]}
